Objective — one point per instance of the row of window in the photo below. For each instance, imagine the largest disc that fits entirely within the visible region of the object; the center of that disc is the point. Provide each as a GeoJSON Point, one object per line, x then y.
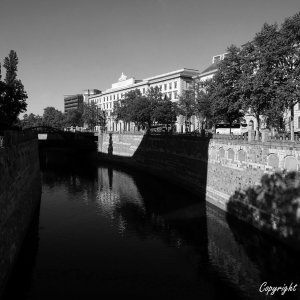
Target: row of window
{"type": "Point", "coordinates": [170, 85]}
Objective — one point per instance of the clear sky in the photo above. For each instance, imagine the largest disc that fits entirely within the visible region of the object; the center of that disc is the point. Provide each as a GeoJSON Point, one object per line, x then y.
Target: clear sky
{"type": "Point", "coordinates": [66, 46]}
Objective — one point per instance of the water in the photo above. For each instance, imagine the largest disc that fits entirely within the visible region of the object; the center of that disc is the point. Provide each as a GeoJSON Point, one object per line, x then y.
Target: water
{"type": "Point", "coordinates": [107, 233]}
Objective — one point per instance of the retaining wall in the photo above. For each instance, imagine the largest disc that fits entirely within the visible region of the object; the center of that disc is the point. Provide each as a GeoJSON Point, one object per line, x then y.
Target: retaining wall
{"type": "Point", "coordinates": [20, 191]}
{"type": "Point", "coordinates": [216, 167]}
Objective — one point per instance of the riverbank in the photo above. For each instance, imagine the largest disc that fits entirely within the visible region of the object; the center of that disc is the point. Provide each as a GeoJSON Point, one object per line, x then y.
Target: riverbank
{"type": "Point", "coordinates": [216, 168]}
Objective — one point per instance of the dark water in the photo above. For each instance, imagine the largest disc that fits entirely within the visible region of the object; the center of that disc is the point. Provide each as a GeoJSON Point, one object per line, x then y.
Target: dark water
{"type": "Point", "coordinates": [107, 233]}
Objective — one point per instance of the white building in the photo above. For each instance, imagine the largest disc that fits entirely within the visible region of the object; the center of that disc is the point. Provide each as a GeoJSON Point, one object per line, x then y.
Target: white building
{"type": "Point", "coordinates": [171, 84]}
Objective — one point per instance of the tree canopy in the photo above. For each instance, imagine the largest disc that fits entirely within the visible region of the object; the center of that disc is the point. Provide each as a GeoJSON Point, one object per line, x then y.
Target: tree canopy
{"type": "Point", "coordinates": [12, 94]}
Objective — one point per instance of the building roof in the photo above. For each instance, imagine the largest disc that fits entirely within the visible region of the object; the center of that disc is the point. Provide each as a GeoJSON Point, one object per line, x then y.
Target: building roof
{"type": "Point", "coordinates": [212, 67]}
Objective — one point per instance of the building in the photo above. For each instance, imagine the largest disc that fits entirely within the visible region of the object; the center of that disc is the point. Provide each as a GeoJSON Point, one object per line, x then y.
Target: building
{"type": "Point", "coordinates": [76, 101]}
{"type": "Point", "coordinates": [209, 72]}
{"type": "Point", "coordinates": [171, 84]}
{"type": "Point", "coordinates": [89, 92]}
{"type": "Point", "coordinates": [73, 102]}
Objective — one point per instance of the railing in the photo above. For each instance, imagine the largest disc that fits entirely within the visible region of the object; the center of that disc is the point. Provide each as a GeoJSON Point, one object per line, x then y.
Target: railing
{"type": "Point", "coordinates": [206, 134]}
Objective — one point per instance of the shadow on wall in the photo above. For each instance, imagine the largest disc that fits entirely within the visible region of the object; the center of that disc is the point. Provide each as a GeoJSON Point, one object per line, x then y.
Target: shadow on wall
{"type": "Point", "coordinates": [273, 206]}
{"type": "Point", "coordinates": [180, 159]}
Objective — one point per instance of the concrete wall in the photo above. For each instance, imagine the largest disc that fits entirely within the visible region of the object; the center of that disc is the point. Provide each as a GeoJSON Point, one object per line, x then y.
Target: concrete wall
{"type": "Point", "coordinates": [216, 167]}
{"type": "Point", "coordinates": [20, 191]}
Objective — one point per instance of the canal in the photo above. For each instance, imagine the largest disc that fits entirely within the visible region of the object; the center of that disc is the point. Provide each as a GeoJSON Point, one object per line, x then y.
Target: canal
{"type": "Point", "coordinates": [103, 232]}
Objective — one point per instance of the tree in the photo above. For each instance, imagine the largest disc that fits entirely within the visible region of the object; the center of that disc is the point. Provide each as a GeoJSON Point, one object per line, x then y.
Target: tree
{"type": "Point", "coordinates": [135, 108]}
{"type": "Point", "coordinates": [165, 112]}
{"type": "Point", "coordinates": [31, 120]}
{"type": "Point", "coordinates": [202, 103]}
{"type": "Point", "coordinates": [92, 116]}
{"type": "Point", "coordinates": [257, 78]}
{"type": "Point", "coordinates": [73, 117]}
{"type": "Point", "coordinates": [53, 118]}
{"type": "Point", "coordinates": [12, 94]}
{"type": "Point", "coordinates": [287, 70]}
{"type": "Point", "coordinates": [186, 104]}
{"type": "Point", "coordinates": [223, 90]}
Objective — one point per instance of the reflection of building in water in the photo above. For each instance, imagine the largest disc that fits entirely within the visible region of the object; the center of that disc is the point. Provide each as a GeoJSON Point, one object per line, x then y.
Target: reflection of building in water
{"type": "Point", "coordinates": [116, 189]}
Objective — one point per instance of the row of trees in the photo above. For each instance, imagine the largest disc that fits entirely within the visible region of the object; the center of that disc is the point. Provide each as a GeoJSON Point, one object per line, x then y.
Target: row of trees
{"type": "Point", "coordinates": [87, 114]}
{"type": "Point", "coordinates": [12, 94]}
{"type": "Point", "coordinates": [145, 110]}
{"type": "Point", "coordinates": [261, 78]}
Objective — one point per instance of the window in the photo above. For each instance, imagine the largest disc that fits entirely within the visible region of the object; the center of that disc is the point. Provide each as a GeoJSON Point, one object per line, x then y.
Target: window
{"type": "Point", "coordinates": [175, 85]}
{"type": "Point", "coordinates": [114, 97]}
{"type": "Point", "coordinates": [175, 95]}
{"type": "Point", "coordinates": [165, 87]}
{"type": "Point", "coordinates": [299, 106]}
{"type": "Point", "coordinates": [298, 122]}
{"type": "Point", "coordinates": [143, 90]}
{"type": "Point", "coordinates": [170, 85]}
{"type": "Point", "coordinates": [170, 95]}
{"type": "Point", "coordinates": [160, 87]}
{"type": "Point", "coordinates": [110, 97]}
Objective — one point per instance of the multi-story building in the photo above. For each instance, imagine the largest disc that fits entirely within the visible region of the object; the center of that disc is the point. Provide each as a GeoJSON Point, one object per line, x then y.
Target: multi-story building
{"type": "Point", "coordinates": [76, 101]}
{"type": "Point", "coordinates": [209, 72]}
{"type": "Point", "coordinates": [171, 84]}
{"type": "Point", "coordinates": [73, 102]}
{"type": "Point", "coordinates": [89, 92]}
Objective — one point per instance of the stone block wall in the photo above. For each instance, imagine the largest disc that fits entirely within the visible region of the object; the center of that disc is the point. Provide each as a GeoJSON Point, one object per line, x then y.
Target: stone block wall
{"type": "Point", "coordinates": [216, 167]}
{"type": "Point", "coordinates": [20, 191]}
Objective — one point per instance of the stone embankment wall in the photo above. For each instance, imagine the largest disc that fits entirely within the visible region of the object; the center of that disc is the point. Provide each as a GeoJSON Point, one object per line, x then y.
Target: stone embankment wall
{"type": "Point", "coordinates": [20, 191]}
{"type": "Point", "coordinates": [216, 167]}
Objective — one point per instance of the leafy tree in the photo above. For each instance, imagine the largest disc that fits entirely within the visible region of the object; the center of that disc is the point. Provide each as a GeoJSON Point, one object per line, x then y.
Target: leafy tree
{"type": "Point", "coordinates": [135, 108]}
{"type": "Point", "coordinates": [92, 116]}
{"type": "Point", "coordinates": [12, 94]}
{"type": "Point", "coordinates": [31, 120]}
{"type": "Point", "coordinates": [165, 112]}
{"type": "Point", "coordinates": [53, 118]}
{"type": "Point", "coordinates": [186, 104]}
{"type": "Point", "coordinates": [202, 103]}
{"type": "Point", "coordinates": [73, 117]}
{"type": "Point", "coordinates": [287, 70]}
{"type": "Point", "coordinates": [257, 79]}
{"type": "Point", "coordinates": [223, 90]}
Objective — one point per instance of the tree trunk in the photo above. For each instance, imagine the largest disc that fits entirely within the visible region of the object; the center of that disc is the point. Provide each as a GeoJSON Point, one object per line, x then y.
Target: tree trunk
{"type": "Point", "coordinates": [292, 123]}
{"type": "Point", "coordinates": [257, 127]}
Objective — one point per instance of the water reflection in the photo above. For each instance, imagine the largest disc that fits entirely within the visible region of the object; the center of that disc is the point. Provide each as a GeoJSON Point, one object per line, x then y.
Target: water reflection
{"type": "Point", "coordinates": [108, 232]}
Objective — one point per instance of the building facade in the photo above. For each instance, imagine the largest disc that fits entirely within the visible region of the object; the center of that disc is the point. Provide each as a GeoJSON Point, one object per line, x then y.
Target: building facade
{"type": "Point", "coordinates": [250, 119]}
{"type": "Point", "coordinates": [73, 102]}
{"type": "Point", "coordinates": [171, 84]}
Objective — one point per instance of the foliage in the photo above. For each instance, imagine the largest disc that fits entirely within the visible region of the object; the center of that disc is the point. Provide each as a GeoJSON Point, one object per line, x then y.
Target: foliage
{"type": "Point", "coordinates": [223, 90]}
{"type": "Point", "coordinates": [186, 104]}
{"type": "Point", "coordinates": [145, 110]}
{"type": "Point", "coordinates": [257, 80]}
{"type": "Point", "coordinates": [73, 118]}
{"type": "Point", "coordinates": [288, 64]}
{"type": "Point", "coordinates": [12, 94]}
{"type": "Point", "coordinates": [93, 116]}
{"type": "Point", "coordinates": [203, 109]}
{"type": "Point", "coordinates": [53, 117]}
{"type": "Point", "coordinates": [165, 112]}
{"type": "Point", "coordinates": [274, 205]}
{"type": "Point", "coordinates": [31, 120]}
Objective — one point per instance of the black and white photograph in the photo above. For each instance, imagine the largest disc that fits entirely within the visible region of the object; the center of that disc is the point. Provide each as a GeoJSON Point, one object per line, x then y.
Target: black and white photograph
{"type": "Point", "coordinates": [149, 149]}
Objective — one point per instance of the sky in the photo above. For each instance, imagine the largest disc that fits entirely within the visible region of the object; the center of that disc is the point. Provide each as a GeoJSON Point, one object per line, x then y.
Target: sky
{"type": "Point", "coordinates": [66, 46]}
